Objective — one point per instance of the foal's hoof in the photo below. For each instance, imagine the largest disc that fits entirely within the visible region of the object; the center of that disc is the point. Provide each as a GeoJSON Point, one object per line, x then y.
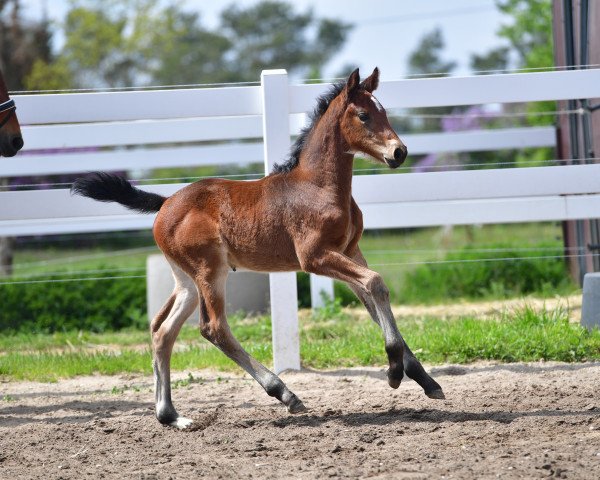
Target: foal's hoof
{"type": "Point", "coordinates": [394, 379]}
{"type": "Point", "coordinates": [296, 406]}
{"type": "Point", "coordinates": [181, 423]}
{"type": "Point", "coordinates": [394, 382]}
{"type": "Point", "coordinates": [437, 394]}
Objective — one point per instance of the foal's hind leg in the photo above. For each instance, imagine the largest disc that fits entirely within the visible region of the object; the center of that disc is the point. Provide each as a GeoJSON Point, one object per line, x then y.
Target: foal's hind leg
{"type": "Point", "coordinates": [412, 366]}
{"type": "Point", "coordinates": [214, 327]}
{"type": "Point", "coordinates": [164, 328]}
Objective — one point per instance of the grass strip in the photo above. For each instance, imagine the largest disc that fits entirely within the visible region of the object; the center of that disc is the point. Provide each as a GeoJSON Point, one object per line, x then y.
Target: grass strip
{"type": "Point", "coordinates": [330, 338]}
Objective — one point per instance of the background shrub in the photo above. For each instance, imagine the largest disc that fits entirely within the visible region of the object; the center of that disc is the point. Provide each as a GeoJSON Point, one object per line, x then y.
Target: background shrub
{"type": "Point", "coordinates": [476, 275]}
{"type": "Point", "coordinates": [114, 304]}
{"type": "Point", "coordinates": [96, 306]}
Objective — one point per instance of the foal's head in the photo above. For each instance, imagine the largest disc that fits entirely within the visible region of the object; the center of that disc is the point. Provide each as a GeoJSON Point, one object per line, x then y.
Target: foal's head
{"type": "Point", "coordinates": [364, 123]}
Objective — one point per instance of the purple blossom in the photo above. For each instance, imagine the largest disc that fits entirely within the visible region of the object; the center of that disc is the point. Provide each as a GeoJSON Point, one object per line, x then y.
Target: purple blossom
{"type": "Point", "coordinates": [473, 118]}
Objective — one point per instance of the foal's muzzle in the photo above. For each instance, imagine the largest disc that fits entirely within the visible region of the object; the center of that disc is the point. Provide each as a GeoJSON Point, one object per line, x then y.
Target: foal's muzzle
{"type": "Point", "coordinates": [400, 154]}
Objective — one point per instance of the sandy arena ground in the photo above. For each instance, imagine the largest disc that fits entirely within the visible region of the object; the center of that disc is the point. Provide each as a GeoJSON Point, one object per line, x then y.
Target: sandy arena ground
{"type": "Point", "coordinates": [499, 421]}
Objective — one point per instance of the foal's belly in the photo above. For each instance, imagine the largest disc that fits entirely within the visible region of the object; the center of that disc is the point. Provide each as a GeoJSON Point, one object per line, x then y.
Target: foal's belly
{"type": "Point", "coordinates": [263, 261]}
{"type": "Point", "coordinates": [269, 251]}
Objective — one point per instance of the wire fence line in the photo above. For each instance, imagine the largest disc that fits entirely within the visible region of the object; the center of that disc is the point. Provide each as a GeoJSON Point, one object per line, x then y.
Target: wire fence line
{"type": "Point", "coordinates": [474, 250]}
{"type": "Point", "coordinates": [388, 264]}
{"type": "Point", "coordinates": [488, 114]}
{"type": "Point", "coordinates": [135, 88]}
{"type": "Point", "coordinates": [136, 181]}
{"type": "Point", "coordinates": [93, 271]}
{"type": "Point", "coordinates": [76, 258]}
{"type": "Point", "coordinates": [68, 237]}
{"type": "Point", "coordinates": [371, 252]}
{"type": "Point", "coordinates": [133, 251]}
{"type": "Point", "coordinates": [482, 260]}
{"type": "Point", "coordinates": [250, 176]}
{"type": "Point", "coordinates": [407, 17]}
{"type": "Point", "coordinates": [301, 81]}
{"type": "Point", "coordinates": [65, 280]}
{"type": "Point", "coordinates": [465, 165]}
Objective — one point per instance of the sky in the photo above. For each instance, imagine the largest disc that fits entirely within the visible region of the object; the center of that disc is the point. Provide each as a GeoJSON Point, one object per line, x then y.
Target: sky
{"type": "Point", "coordinates": [385, 32]}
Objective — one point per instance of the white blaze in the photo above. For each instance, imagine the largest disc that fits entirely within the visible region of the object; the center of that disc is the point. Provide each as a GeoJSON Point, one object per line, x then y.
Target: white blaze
{"type": "Point", "coordinates": [377, 104]}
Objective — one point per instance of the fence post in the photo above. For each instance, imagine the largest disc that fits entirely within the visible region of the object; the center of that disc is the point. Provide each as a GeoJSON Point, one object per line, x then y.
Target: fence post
{"type": "Point", "coordinates": [320, 285]}
{"type": "Point", "coordinates": [282, 286]}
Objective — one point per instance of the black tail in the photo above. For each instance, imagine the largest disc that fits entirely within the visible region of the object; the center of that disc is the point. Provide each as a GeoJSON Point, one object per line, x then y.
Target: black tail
{"type": "Point", "coordinates": [106, 187]}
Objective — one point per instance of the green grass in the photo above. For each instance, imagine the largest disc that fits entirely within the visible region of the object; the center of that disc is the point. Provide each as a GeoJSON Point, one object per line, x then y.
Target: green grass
{"type": "Point", "coordinates": [329, 339]}
{"type": "Point", "coordinates": [525, 335]}
{"type": "Point", "coordinates": [40, 341]}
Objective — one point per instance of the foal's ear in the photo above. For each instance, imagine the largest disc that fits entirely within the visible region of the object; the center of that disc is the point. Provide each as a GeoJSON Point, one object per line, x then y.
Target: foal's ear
{"type": "Point", "coordinates": [352, 82]}
{"type": "Point", "coordinates": [371, 82]}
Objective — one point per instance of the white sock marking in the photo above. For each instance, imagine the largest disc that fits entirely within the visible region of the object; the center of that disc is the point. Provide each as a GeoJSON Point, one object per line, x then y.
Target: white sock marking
{"type": "Point", "coordinates": [181, 423]}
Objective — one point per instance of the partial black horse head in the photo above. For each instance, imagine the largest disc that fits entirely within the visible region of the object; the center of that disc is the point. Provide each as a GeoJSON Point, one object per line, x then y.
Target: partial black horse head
{"type": "Point", "coordinates": [11, 140]}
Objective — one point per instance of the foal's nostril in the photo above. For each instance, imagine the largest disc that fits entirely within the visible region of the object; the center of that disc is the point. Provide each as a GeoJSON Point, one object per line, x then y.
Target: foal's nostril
{"type": "Point", "coordinates": [17, 143]}
{"type": "Point", "coordinates": [400, 153]}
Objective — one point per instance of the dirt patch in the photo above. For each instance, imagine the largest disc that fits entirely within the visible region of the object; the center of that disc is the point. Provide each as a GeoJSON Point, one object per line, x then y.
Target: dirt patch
{"type": "Point", "coordinates": [510, 421]}
{"type": "Point", "coordinates": [477, 309]}
{"type": "Point", "coordinates": [493, 308]}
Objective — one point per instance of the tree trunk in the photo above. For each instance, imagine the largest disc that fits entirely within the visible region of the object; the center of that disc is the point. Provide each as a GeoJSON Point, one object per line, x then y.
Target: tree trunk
{"type": "Point", "coordinates": [6, 255]}
{"type": "Point", "coordinates": [6, 246]}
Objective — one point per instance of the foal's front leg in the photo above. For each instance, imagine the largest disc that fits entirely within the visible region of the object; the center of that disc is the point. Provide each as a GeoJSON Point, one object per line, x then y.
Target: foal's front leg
{"type": "Point", "coordinates": [412, 366]}
{"type": "Point", "coordinates": [374, 294]}
{"type": "Point", "coordinates": [370, 285]}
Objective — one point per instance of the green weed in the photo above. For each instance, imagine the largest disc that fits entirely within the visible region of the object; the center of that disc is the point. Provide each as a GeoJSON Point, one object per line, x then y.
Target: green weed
{"type": "Point", "coordinates": [186, 382]}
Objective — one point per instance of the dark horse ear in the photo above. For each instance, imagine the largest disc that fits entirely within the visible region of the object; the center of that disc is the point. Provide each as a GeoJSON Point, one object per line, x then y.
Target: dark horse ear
{"type": "Point", "coordinates": [371, 82]}
{"type": "Point", "coordinates": [353, 82]}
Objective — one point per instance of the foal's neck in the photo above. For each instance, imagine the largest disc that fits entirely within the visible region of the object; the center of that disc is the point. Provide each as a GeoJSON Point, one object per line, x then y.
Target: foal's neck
{"type": "Point", "coordinates": [325, 160]}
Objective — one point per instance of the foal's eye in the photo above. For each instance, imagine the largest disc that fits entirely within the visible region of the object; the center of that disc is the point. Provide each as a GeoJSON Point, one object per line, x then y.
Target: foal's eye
{"type": "Point", "coordinates": [363, 116]}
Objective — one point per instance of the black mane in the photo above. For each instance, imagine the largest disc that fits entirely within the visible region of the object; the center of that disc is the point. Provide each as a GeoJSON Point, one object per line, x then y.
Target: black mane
{"type": "Point", "coordinates": [322, 104]}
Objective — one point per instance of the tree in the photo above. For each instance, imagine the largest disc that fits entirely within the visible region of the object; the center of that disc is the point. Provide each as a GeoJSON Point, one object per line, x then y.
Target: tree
{"type": "Point", "coordinates": [21, 44]}
{"type": "Point", "coordinates": [112, 43]}
{"type": "Point", "coordinates": [530, 37]}
{"type": "Point", "coordinates": [530, 33]}
{"type": "Point", "coordinates": [271, 35]}
{"type": "Point", "coordinates": [493, 61]}
{"type": "Point", "coordinates": [426, 58]}
{"type": "Point", "coordinates": [181, 51]}
{"type": "Point", "coordinates": [101, 46]}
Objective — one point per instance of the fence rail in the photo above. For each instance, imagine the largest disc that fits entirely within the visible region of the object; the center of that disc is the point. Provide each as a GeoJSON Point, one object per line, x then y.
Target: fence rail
{"type": "Point", "coordinates": [388, 201]}
{"type": "Point", "coordinates": [171, 120]}
{"type": "Point", "coordinates": [240, 154]}
{"type": "Point", "coordinates": [128, 106]}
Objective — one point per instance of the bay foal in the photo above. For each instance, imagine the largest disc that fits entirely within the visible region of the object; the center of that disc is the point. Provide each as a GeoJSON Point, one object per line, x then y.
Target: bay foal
{"type": "Point", "coordinates": [301, 217]}
{"type": "Point", "coordinates": [11, 140]}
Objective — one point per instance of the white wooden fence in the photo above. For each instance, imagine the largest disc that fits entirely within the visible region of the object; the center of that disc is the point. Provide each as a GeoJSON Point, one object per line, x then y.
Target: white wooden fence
{"type": "Point", "coordinates": [264, 116]}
